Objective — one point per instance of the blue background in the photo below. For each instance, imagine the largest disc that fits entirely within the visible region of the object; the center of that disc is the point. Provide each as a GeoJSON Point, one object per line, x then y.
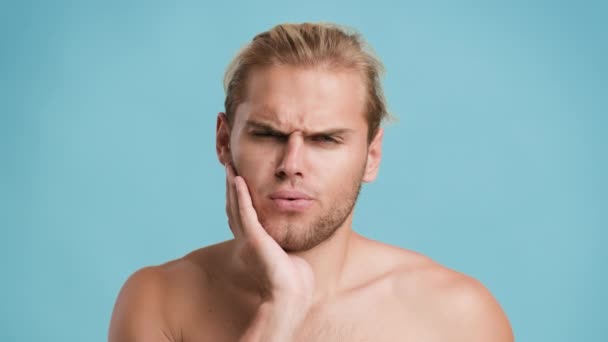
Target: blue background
{"type": "Point", "coordinates": [497, 166]}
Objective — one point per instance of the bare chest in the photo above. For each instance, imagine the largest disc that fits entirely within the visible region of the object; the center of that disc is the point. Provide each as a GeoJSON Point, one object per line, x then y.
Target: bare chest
{"type": "Point", "coordinates": [316, 329]}
{"type": "Point", "coordinates": [354, 322]}
{"type": "Point", "coordinates": [366, 323]}
{"type": "Point", "coordinates": [371, 313]}
{"type": "Point", "coordinates": [332, 329]}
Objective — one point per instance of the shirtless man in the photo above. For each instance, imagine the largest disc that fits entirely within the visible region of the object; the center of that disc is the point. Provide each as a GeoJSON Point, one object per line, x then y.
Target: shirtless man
{"type": "Point", "coordinates": [301, 132]}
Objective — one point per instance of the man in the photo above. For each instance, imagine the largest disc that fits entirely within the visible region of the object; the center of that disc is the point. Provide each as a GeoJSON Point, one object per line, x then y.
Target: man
{"type": "Point", "coordinates": [300, 133]}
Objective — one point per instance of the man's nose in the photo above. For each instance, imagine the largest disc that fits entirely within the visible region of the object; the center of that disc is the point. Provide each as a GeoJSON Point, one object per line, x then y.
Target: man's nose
{"type": "Point", "coordinates": [290, 163]}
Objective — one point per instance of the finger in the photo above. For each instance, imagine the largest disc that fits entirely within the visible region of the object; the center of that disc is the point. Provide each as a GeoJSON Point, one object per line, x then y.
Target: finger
{"type": "Point", "coordinates": [252, 229]}
{"type": "Point", "coordinates": [231, 204]}
{"type": "Point", "coordinates": [234, 201]}
{"type": "Point", "coordinates": [249, 218]}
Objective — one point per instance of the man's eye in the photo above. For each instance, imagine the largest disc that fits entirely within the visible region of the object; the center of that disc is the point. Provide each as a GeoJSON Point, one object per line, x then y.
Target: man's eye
{"type": "Point", "coordinates": [324, 139]}
{"type": "Point", "coordinates": [262, 134]}
{"type": "Point", "coordinates": [271, 135]}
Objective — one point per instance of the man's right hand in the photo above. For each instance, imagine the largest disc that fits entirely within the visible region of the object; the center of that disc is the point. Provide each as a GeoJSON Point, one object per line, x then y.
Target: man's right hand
{"type": "Point", "coordinates": [285, 282]}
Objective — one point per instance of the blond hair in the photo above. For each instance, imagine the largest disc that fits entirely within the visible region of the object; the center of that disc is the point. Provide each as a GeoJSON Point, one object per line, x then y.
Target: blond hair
{"type": "Point", "coordinates": [309, 45]}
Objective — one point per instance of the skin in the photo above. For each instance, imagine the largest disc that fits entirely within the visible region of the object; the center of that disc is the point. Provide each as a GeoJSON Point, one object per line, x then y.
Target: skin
{"type": "Point", "coordinates": [302, 275]}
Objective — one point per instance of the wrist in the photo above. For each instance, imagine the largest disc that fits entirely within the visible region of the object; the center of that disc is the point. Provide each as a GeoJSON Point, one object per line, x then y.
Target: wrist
{"type": "Point", "coordinates": [288, 311]}
{"type": "Point", "coordinates": [276, 320]}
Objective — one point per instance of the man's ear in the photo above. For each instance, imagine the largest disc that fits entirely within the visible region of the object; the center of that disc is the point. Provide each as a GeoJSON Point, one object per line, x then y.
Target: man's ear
{"type": "Point", "coordinates": [374, 156]}
{"type": "Point", "coordinates": [222, 139]}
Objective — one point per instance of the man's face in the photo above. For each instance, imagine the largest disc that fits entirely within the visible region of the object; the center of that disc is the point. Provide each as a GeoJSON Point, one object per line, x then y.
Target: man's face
{"type": "Point", "coordinates": [300, 142]}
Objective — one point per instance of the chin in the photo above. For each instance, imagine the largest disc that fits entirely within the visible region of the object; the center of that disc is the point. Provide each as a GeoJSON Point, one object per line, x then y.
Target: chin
{"type": "Point", "coordinates": [298, 236]}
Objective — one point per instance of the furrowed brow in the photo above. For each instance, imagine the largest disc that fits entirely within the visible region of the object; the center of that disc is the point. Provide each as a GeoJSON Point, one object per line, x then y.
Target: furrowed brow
{"type": "Point", "coordinates": [333, 131]}
{"type": "Point", "coordinates": [263, 126]}
{"type": "Point", "coordinates": [268, 127]}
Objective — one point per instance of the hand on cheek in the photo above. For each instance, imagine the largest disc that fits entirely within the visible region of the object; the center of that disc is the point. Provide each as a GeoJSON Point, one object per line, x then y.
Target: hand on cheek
{"type": "Point", "coordinates": [277, 274]}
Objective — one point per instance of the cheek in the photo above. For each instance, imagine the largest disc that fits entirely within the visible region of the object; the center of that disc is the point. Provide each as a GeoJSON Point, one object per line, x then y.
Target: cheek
{"type": "Point", "coordinates": [244, 155]}
{"type": "Point", "coordinates": [257, 170]}
{"type": "Point", "coordinates": [253, 165]}
{"type": "Point", "coordinates": [351, 155]}
{"type": "Point", "coordinates": [340, 169]}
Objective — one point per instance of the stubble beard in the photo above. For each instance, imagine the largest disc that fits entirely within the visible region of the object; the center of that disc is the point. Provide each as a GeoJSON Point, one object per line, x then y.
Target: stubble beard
{"type": "Point", "coordinates": [303, 236]}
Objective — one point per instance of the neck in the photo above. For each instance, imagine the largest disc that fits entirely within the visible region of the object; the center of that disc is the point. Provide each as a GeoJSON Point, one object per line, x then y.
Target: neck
{"type": "Point", "coordinates": [328, 261]}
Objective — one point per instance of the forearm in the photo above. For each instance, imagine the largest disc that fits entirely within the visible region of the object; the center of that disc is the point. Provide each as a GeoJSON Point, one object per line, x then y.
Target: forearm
{"type": "Point", "coordinates": [274, 322]}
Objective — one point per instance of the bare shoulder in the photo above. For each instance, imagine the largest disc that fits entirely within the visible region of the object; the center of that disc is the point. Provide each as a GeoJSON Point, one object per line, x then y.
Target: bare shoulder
{"type": "Point", "coordinates": [457, 306]}
{"type": "Point", "coordinates": [461, 305]}
{"type": "Point", "coordinates": [153, 299]}
{"type": "Point", "coordinates": [140, 310]}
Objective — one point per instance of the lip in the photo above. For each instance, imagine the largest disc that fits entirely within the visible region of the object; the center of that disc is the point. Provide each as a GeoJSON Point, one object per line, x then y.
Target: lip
{"type": "Point", "coordinates": [290, 195]}
{"type": "Point", "coordinates": [291, 200]}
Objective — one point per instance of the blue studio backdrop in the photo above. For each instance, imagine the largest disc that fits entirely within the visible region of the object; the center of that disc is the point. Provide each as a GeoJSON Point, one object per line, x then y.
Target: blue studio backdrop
{"type": "Point", "coordinates": [496, 167]}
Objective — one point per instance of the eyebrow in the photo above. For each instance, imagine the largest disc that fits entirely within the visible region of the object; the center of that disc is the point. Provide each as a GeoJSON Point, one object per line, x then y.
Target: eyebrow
{"type": "Point", "coordinates": [270, 128]}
